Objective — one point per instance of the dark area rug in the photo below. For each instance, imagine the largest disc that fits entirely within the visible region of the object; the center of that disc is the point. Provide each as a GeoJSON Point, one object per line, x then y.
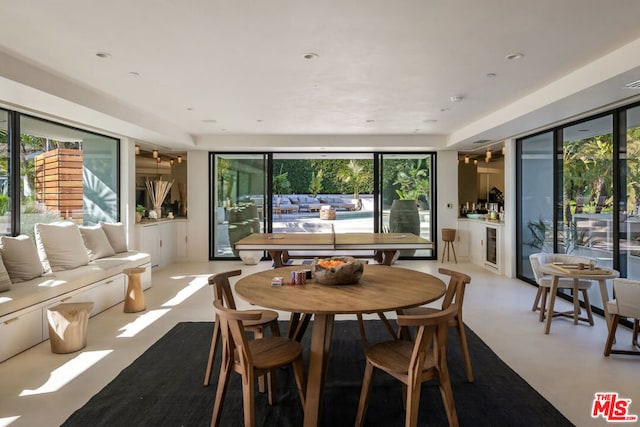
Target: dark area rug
{"type": "Point", "coordinates": [163, 387]}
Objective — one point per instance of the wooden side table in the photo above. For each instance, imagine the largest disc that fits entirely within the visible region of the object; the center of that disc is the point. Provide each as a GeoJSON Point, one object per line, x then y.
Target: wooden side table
{"type": "Point", "coordinates": [134, 298]}
{"type": "Point", "coordinates": [68, 323]}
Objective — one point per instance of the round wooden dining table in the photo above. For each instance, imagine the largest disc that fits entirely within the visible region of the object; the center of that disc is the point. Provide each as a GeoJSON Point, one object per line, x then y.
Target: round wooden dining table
{"type": "Point", "coordinates": [381, 288]}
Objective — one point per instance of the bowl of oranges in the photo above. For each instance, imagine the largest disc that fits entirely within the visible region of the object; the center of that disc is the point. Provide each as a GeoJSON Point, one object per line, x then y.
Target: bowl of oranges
{"type": "Point", "coordinates": [336, 270]}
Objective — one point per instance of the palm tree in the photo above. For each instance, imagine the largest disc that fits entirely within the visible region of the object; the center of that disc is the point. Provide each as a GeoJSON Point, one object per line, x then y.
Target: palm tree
{"type": "Point", "coordinates": [355, 176]}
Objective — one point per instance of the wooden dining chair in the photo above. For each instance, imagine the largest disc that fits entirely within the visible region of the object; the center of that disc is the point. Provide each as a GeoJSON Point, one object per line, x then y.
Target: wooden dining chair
{"type": "Point", "coordinates": [625, 304]}
{"type": "Point", "coordinates": [222, 292]}
{"type": "Point", "coordinates": [454, 294]}
{"type": "Point", "coordinates": [252, 359]}
{"type": "Point", "coordinates": [413, 362]}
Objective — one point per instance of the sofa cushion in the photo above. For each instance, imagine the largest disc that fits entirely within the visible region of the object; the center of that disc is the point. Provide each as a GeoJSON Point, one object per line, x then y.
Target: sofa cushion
{"type": "Point", "coordinates": [5, 280]}
{"type": "Point", "coordinates": [96, 242]}
{"type": "Point", "coordinates": [61, 245]}
{"type": "Point", "coordinates": [116, 235]}
{"type": "Point", "coordinates": [20, 257]}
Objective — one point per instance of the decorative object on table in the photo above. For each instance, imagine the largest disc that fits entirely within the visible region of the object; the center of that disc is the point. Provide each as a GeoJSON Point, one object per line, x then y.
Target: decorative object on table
{"type": "Point", "coordinates": [158, 191]}
{"type": "Point", "coordinates": [170, 215]}
{"type": "Point", "coordinates": [475, 215]}
{"type": "Point", "coordinates": [337, 270]}
{"type": "Point", "coordinates": [139, 212]}
{"type": "Point", "coordinates": [153, 214]}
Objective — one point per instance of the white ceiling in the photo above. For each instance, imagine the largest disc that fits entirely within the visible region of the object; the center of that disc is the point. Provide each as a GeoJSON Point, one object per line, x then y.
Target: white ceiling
{"type": "Point", "coordinates": [232, 74]}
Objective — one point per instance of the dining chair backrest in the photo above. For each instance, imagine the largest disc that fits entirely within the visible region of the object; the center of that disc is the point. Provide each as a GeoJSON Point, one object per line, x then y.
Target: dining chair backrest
{"type": "Point", "coordinates": [541, 258]}
{"type": "Point", "coordinates": [455, 289]}
{"type": "Point", "coordinates": [432, 331]}
{"type": "Point", "coordinates": [627, 297]}
{"type": "Point", "coordinates": [234, 340]}
{"type": "Point", "coordinates": [222, 287]}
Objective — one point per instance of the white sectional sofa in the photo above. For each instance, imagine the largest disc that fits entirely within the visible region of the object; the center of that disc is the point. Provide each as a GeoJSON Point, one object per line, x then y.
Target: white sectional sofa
{"type": "Point", "coordinates": [67, 276]}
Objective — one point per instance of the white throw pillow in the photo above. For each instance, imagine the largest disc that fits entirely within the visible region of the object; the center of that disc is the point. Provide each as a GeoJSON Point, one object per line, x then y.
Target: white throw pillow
{"type": "Point", "coordinates": [96, 242]}
{"type": "Point", "coordinates": [20, 257]}
{"type": "Point", "coordinates": [62, 245]}
{"type": "Point", "coordinates": [116, 235]}
{"type": "Point", "coordinates": [5, 280]}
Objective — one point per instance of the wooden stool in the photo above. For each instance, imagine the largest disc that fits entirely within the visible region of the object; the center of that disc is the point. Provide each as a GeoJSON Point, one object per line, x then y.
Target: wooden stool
{"type": "Point", "coordinates": [449, 236]}
{"type": "Point", "coordinates": [68, 324]}
{"type": "Point", "coordinates": [134, 298]}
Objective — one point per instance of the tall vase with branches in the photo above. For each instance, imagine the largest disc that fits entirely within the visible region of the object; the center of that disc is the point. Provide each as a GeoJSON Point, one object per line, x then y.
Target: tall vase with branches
{"type": "Point", "coordinates": [158, 191]}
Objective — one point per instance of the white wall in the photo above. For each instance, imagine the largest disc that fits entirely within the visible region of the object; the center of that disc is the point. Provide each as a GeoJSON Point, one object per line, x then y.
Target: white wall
{"type": "Point", "coordinates": [198, 205]}
{"type": "Point", "coordinates": [447, 192]}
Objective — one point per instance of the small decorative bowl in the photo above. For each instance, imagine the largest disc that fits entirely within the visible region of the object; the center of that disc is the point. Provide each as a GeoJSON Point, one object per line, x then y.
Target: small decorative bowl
{"type": "Point", "coordinates": [337, 270]}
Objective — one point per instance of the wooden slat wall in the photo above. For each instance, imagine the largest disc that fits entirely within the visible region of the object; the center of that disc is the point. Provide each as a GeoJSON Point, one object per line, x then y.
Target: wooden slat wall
{"type": "Point", "coordinates": [59, 182]}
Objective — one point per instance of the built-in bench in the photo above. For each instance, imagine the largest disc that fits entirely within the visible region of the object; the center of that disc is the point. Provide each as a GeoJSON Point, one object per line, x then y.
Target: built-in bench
{"type": "Point", "coordinates": [23, 308]}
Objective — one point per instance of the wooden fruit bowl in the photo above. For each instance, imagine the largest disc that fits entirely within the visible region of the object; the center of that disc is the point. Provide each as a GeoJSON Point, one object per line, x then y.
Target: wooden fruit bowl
{"type": "Point", "coordinates": [337, 270]}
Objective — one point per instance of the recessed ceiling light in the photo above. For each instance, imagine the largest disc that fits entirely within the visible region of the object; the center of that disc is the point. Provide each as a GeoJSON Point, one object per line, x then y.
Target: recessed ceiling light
{"type": "Point", "coordinates": [456, 98]}
{"type": "Point", "coordinates": [311, 55]}
{"type": "Point", "coordinates": [103, 54]}
{"type": "Point", "coordinates": [491, 75]}
{"type": "Point", "coordinates": [444, 109]}
{"type": "Point", "coordinates": [515, 56]}
{"type": "Point", "coordinates": [429, 121]}
{"type": "Point", "coordinates": [259, 120]}
{"type": "Point", "coordinates": [583, 130]}
{"type": "Point", "coordinates": [190, 108]}
{"type": "Point", "coordinates": [209, 121]}
{"type": "Point", "coordinates": [416, 131]}
{"type": "Point", "coordinates": [134, 73]}
{"type": "Point", "coordinates": [369, 120]}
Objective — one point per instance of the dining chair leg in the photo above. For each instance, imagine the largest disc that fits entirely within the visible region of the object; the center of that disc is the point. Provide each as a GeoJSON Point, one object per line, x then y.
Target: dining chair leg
{"type": "Point", "coordinates": [465, 351]}
{"type": "Point", "coordinates": [221, 391]}
{"type": "Point", "coordinates": [248, 397]}
{"type": "Point", "coordinates": [271, 385]}
{"type": "Point", "coordinates": [257, 334]}
{"type": "Point", "coordinates": [612, 335]}
{"type": "Point", "coordinates": [212, 352]}
{"type": "Point", "coordinates": [301, 381]}
{"type": "Point", "coordinates": [364, 394]}
{"type": "Point", "coordinates": [413, 404]}
{"type": "Point", "coordinates": [536, 301]}
{"type": "Point", "coordinates": [543, 304]}
{"type": "Point", "coordinates": [447, 395]}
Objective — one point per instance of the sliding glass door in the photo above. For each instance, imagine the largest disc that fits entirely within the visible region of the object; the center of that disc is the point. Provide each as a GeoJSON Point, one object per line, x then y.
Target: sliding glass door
{"type": "Point", "coordinates": [238, 194]}
{"type": "Point", "coordinates": [407, 197]}
{"type": "Point", "coordinates": [319, 193]}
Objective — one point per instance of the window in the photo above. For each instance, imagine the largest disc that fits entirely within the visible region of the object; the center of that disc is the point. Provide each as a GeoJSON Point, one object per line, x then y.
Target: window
{"type": "Point", "coordinates": [50, 172]}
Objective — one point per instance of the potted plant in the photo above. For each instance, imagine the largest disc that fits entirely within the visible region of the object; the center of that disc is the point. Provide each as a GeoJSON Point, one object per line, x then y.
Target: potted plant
{"type": "Point", "coordinates": [413, 181]}
{"type": "Point", "coordinates": [139, 212]}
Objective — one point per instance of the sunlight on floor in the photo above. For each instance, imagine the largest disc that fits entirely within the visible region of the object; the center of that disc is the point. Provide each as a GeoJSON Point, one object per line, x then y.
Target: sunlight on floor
{"type": "Point", "coordinates": [7, 421]}
{"type": "Point", "coordinates": [67, 372]}
{"type": "Point", "coordinates": [194, 286]}
{"type": "Point", "coordinates": [145, 320]}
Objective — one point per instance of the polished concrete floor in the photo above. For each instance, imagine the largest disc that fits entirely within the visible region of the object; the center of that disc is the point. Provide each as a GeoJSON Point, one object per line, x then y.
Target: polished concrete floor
{"type": "Point", "coordinates": [38, 388]}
